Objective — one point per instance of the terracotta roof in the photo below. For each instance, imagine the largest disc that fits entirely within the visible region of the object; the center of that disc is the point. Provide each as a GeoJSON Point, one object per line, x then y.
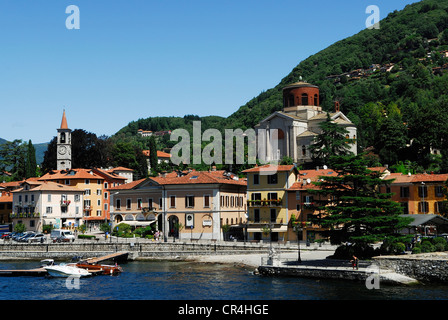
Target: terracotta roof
{"type": "Point", "coordinates": [313, 175]}
{"type": "Point", "coordinates": [160, 154]}
{"type": "Point", "coordinates": [424, 177]}
{"type": "Point", "coordinates": [120, 169]}
{"type": "Point", "coordinates": [400, 178]}
{"type": "Point", "coordinates": [270, 168]}
{"type": "Point", "coordinates": [108, 174]}
{"type": "Point", "coordinates": [187, 178]}
{"type": "Point", "coordinates": [6, 198]}
{"type": "Point", "coordinates": [128, 186]}
{"type": "Point", "coordinates": [50, 186]}
{"type": "Point", "coordinates": [200, 177]}
{"type": "Point", "coordinates": [71, 174]}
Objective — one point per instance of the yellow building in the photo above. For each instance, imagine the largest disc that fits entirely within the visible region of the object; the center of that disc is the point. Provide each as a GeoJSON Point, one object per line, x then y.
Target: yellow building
{"type": "Point", "coordinates": [268, 214]}
{"type": "Point", "coordinates": [93, 187]}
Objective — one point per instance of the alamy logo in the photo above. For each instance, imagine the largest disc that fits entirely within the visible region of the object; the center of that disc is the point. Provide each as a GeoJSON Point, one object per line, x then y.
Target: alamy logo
{"type": "Point", "coordinates": [261, 146]}
{"type": "Point", "coordinates": [72, 283]}
{"type": "Point", "coordinates": [373, 280]}
{"type": "Point", "coordinates": [73, 20]}
{"type": "Point", "coordinates": [373, 21]}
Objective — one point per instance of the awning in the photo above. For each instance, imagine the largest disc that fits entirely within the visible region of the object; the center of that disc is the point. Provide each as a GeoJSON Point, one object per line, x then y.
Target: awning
{"type": "Point", "coordinates": [137, 223]}
{"type": "Point", "coordinates": [426, 219]}
{"type": "Point", "coordinates": [261, 229]}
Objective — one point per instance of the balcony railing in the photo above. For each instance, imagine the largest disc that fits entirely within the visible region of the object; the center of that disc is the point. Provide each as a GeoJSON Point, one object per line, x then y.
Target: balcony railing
{"type": "Point", "coordinates": [65, 202]}
{"type": "Point", "coordinates": [265, 203]}
{"type": "Point", "coordinates": [24, 215]}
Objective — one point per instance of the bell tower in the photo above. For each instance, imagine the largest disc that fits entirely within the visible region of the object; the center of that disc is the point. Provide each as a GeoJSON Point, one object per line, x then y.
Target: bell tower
{"type": "Point", "coordinates": [64, 146]}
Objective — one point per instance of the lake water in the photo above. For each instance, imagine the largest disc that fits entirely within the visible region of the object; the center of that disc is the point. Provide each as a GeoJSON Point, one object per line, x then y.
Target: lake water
{"type": "Point", "coordinates": [178, 280]}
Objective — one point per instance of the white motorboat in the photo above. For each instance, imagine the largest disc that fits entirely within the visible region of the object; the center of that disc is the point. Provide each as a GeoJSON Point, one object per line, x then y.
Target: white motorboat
{"type": "Point", "coordinates": [66, 271]}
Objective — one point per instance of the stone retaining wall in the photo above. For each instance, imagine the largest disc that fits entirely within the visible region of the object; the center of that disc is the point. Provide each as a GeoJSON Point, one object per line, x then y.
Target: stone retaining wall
{"type": "Point", "coordinates": [429, 267]}
{"type": "Point", "coordinates": [136, 250]}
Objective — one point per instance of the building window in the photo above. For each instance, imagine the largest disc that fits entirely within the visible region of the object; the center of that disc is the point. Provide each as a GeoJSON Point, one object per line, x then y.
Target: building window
{"type": "Point", "coordinates": [48, 198]}
{"type": "Point", "coordinates": [106, 195]}
{"type": "Point", "coordinates": [87, 181]}
{"type": "Point", "coordinates": [87, 192]}
{"type": "Point", "coordinates": [256, 198]}
{"type": "Point", "coordinates": [405, 207]}
{"type": "Point", "coordinates": [273, 215]}
{"type": "Point", "coordinates": [256, 215]}
{"type": "Point", "coordinates": [422, 191]}
{"type": "Point", "coordinates": [172, 201]}
{"type": "Point", "coordinates": [118, 204]}
{"type": "Point", "coordinates": [404, 192]}
{"type": "Point", "coordinates": [256, 178]}
{"type": "Point", "coordinates": [304, 151]}
{"type": "Point", "coordinates": [139, 203]}
{"type": "Point", "coordinates": [150, 203]}
{"type": "Point", "coordinates": [423, 207]}
{"type": "Point", "coordinates": [128, 204]}
{"type": "Point", "coordinates": [189, 201]}
{"type": "Point", "coordinates": [98, 192]}
{"type": "Point", "coordinates": [440, 207]}
{"type": "Point", "coordinates": [273, 179]}
{"type": "Point", "coordinates": [438, 191]}
{"type": "Point", "coordinates": [77, 197]}
{"type": "Point", "coordinates": [105, 185]}
{"type": "Point", "coordinates": [304, 99]}
{"type": "Point", "coordinates": [316, 100]}
{"type": "Point", "coordinates": [206, 201]}
{"type": "Point", "coordinates": [49, 210]}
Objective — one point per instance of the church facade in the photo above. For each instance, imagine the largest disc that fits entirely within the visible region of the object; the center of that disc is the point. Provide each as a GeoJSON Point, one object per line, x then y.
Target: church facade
{"type": "Point", "coordinates": [297, 124]}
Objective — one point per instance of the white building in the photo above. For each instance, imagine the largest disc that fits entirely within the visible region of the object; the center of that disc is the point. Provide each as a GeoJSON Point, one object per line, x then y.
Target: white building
{"type": "Point", "coordinates": [38, 203]}
{"type": "Point", "coordinates": [298, 124]}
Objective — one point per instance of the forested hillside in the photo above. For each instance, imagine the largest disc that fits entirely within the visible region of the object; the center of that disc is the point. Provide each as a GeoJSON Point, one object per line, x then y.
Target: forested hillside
{"type": "Point", "coordinates": [391, 82]}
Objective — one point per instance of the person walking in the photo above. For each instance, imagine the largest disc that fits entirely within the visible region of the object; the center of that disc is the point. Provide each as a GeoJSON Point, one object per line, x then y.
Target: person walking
{"type": "Point", "coordinates": [354, 262]}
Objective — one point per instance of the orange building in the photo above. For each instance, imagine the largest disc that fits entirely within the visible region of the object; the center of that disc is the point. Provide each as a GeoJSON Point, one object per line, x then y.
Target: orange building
{"type": "Point", "coordinates": [419, 193]}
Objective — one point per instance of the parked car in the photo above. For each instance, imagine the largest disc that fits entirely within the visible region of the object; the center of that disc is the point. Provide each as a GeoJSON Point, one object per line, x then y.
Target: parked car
{"type": "Point", "coordinates": [39, 237]}
{"type": "Point", "coordinates": [62, 238]}
{"type": "Point", "coordinates": [25, 237]}
{"type": "Point", "coordinates": [6, 235]}
{"type": "Point", "coordinates": [57, 233]}
{"type": "Point", "coordinates": [17, 235]}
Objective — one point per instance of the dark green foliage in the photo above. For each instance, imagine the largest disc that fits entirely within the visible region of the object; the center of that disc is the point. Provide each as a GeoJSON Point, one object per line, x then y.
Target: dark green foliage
{"type": "Point", "coordinates": [330, 142]}
{"type": "Point", "coordinates": [353, 209]}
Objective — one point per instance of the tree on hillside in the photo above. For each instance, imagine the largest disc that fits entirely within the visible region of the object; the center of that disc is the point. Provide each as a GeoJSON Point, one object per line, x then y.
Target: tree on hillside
{"type": "Point", "coordinates": [153, 159]}
{"type": "Point", "coordinates": [12, 158]}
{"type": "Point", "coordinates": [354, 209]}
{"type": "Point", "coordinates": [332, 141]}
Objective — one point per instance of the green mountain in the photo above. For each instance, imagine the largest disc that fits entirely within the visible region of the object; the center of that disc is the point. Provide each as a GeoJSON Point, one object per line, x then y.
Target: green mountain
{"type": "Point", "coordinates": [391, 82]}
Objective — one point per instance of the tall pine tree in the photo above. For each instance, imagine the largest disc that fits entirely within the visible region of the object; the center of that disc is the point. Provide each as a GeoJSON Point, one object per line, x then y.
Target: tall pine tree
{"type": "Point", "coordinates": [332, 141]}
{"type": "Point", "coordinates": [354, 209]}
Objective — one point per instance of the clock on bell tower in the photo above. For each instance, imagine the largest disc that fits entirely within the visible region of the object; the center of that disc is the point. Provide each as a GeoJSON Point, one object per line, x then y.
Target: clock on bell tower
{"type": "Point", "coordinates": [64, 146]}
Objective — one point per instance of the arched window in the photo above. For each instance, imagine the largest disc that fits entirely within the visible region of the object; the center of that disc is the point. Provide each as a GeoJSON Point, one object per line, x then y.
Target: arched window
{"type": "Point", "coordinates": [63, 137]}
{"type": "Point", "coordinates": [316, 100]}
{"type": "Point", "coordinates": [291, 100]}
{"type": "Point", "coordinates": [304, 99]}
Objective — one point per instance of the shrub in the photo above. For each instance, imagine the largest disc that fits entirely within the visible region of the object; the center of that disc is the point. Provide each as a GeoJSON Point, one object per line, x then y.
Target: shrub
{"type": "Point", "coordinates": [427, 246]}
{"type": "Point", "coordinates": [416, 250]}
{"type": "Point", "coordinates": [439, 246]}
{"type": "Point", "coordinates": [397, 248]}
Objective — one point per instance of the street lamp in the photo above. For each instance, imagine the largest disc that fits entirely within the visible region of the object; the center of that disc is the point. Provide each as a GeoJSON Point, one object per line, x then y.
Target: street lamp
{"type": "Point", "coordinates": [298, 228]}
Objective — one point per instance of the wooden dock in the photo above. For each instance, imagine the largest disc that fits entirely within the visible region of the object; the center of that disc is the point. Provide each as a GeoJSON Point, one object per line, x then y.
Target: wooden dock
{"type": "Point", "coordinates": [117, 256]}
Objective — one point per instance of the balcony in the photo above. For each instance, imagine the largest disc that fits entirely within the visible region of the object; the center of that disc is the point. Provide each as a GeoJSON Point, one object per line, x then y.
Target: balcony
{"type": "Point", "coordinates": [265, 203]}
{"type": "Point", "coordinates": [65, 203]}
{"type": "Point", "coordinates": [24, 215]}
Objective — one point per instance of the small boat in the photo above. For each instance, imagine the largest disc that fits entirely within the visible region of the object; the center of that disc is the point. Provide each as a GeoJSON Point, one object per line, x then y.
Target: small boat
{"type": "Point", "coordinates": [105, 268]}
{"type": "Point", "coordinates": [66, 271]}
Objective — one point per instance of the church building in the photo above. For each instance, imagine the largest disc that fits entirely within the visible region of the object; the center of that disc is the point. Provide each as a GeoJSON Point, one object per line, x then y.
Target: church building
{"type": "Point", "coordinates": [298, 124]}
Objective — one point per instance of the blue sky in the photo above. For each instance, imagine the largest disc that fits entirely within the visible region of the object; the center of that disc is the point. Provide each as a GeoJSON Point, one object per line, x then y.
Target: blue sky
{"type": "Point", "coordinates": [143, 58]}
